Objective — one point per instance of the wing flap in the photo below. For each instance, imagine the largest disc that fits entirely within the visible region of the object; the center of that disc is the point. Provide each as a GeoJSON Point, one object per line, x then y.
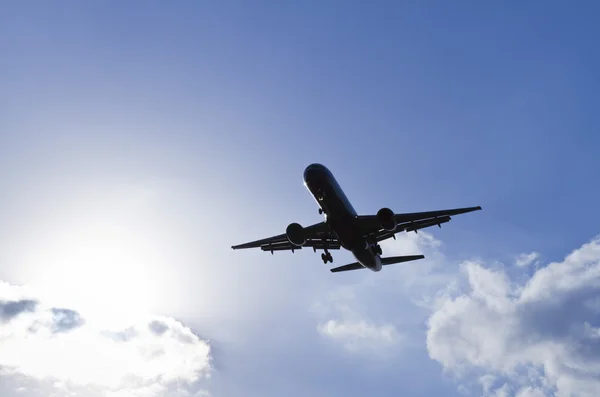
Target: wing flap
{"type": "Point", "coordinates": [419, 216]}
{"type": "Point", "coordinates": [318, 236]}
{"type": "Point", "coordinates": [287, 246]}
{"type": "Point", "coordinates": [255, 244]}
{"type": "Point", "coordinates": [412, 226]}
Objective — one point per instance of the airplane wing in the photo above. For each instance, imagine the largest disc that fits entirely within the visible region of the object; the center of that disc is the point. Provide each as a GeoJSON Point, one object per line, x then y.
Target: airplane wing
{"type": "Point", "coordinates": [409, 222]}
{"type": "Point", "coordinates": [318, 236]}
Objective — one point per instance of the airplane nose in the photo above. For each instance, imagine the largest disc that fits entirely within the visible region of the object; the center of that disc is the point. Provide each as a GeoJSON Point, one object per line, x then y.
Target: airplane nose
{"type": "Point", "coordinates": [313, 171]}
{"type": "Point", "coordinates": [315, 166]}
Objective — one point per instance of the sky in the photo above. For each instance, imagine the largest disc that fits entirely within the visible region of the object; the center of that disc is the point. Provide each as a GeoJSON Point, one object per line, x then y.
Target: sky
{"type": "Point", "coordinates": [140, 140]}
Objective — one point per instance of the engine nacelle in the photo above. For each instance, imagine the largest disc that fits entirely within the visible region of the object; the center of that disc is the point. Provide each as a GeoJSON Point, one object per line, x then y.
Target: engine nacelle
{"type": "Point", "coordinates": [386, 219]}
{"type": "Point", "coordinates": [296, 234]}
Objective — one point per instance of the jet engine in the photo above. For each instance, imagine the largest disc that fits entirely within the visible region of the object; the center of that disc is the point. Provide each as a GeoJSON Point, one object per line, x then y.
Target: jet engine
{"type": "Point", "coordinates": [295, 233]}
{"type": "Point", "coordinates": [386, 219]}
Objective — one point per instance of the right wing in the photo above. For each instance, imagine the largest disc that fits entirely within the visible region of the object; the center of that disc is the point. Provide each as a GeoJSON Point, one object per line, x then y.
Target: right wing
{"type": "Point", "coordinates": [318, 236]}
{"type": "Point", "coordinates": [408, 222]}
{"type": "Point", "coordinates": [420, 216]}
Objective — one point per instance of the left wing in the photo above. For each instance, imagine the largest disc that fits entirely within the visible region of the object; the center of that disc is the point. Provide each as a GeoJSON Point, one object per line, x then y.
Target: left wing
{"type": "Point", "coordinates": [409, 222]}
{"type": "Point", "coordinates": [318, 236]}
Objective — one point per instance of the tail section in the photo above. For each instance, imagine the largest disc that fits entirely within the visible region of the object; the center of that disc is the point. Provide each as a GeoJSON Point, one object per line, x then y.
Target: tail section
{"type": "Point", "coordinates": [350, 266]}
{"type": "Point", "coordinates": [399, 259]}
{"type": "Point", "coordinates": [384, 261]}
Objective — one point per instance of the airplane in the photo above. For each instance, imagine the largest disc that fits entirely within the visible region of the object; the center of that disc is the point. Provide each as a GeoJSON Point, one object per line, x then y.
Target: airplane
{"type": "Point", "coordinates": [344, 228]}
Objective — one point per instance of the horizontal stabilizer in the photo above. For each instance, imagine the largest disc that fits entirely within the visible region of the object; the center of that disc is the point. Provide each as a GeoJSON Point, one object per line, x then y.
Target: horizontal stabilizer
{"type": "Point", "coordinates": [384, 261]}
{"type": "Point", "coordinates": [351, 266]}
{"type": "Point", "coordinates": [399, 259]}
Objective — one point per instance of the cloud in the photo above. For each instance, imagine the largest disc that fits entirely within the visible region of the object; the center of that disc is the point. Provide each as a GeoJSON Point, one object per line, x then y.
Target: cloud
{"type": "Point", "coordinates": [527, 259]}
{"type": "Point", "coordinates": [355, 315]}
{"type": "Point", "coordinates": [10, 309]}
{"type": "Point", "coordinates": [347, 324]}
{"type": "Point", "coordinates": [535, 338]}
{"type": "Point", "coordinates": [65, 320]}
{"type": "Point", "coordinates": [345, 320]}
{"type": "Point", "coordinates": [360, 334]}
{"type": "Point", "coordinates": [504, 331]}
{"type": "Point", "coordinates": [146, 357]}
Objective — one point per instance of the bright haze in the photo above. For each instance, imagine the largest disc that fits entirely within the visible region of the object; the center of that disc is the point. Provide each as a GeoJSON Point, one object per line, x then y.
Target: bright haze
{"type": "Point", "coordinates": [139, 141]}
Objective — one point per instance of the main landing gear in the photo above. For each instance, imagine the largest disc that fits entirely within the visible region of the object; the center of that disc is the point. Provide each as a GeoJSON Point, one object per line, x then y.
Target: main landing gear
{"type": "Point", "coordinates": [376, 249]}
{"type": "Point", "coordinates": [326, 257]}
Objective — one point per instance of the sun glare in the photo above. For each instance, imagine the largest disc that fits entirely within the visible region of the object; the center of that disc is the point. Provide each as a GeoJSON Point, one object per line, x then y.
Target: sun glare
{"type": "Point", "coordinates": [100, 259]}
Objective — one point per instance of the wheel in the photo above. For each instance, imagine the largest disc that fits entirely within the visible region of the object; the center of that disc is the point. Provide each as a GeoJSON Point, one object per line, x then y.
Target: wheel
{"type": "Point", "coordinates": [376, 249]}
{"type": "Point", "coordinates": [329, 257]}
{"type": "Point", "coordinates": [324, 258]}
{"type": "Point", "coordinates": [320, 211]}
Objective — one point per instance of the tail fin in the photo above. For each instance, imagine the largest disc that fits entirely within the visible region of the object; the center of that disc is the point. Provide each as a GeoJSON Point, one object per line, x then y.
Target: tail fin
{"type": "Point", "coordinates": [384, 261]}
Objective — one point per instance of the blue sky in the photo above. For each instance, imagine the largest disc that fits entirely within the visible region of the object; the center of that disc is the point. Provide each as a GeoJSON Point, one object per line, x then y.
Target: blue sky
{"type": "Point", "coordinates": [140, 141]}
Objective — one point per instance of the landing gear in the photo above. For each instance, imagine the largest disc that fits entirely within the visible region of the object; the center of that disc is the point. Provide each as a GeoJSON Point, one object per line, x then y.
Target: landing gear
{"type": "Point", "coordinates": [376, 249]}
{"type": "Point", "coordinates": [326, 257]}
{"type": "Point", "coordinates": [320, 195]}
{"type": "Point", "coordinates": [320, 211]}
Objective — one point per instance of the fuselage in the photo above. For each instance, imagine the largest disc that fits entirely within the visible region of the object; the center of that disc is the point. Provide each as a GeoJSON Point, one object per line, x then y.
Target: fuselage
{"type": "Point", "coordinates": [339, 214]}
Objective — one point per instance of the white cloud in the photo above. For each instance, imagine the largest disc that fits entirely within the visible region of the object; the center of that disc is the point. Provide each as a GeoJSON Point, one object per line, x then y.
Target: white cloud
{"type": "Point", "coordinates": [527, 259]}
{"type": "Point", "coordinates": [487, 382]}
{"type": "Point", "coordinates": [538, 338]}
{"type": "Point", "coordinates": [530, 392]}
{"type": "Point", "coordinates": [360, 334]}
{"type": "Point", "coordinates": [352, 318]}
{"type": "Point", "coordinates": [348, 325]}
{"type": "Point", "coordinates": [143, 358]}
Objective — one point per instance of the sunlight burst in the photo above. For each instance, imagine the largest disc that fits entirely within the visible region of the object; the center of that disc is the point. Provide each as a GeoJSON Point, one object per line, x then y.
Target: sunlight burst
{"type": "Point", "coordinates": [102, 257]}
